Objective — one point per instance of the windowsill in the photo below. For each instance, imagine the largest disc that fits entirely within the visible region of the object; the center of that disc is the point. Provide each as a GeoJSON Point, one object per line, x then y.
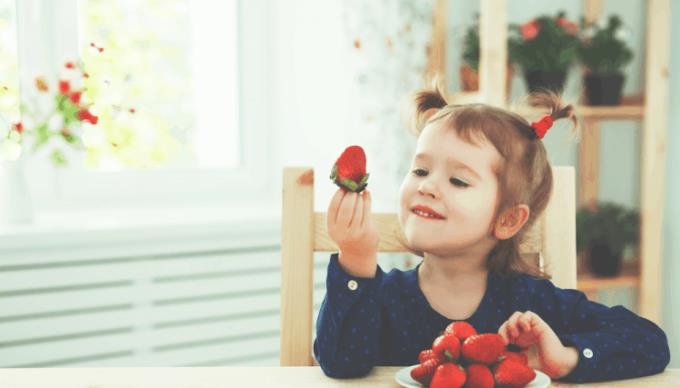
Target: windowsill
{"type": "Point", "coordinates": [185, 228]}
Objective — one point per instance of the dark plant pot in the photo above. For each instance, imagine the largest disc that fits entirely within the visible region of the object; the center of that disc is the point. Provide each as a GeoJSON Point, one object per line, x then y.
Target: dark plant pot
{"type": "Point", "coordinates": [604, 89]}
{"type": "Point", "coordinates": [551, 80]}
{"type": "Point", "coordinates": [604, 262]}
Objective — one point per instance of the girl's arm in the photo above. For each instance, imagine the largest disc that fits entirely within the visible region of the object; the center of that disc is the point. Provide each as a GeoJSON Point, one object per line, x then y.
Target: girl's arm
{"type": "Point", "coordinates": [613, 343]}
{"type": "Point", "coordinates": [348, 326]}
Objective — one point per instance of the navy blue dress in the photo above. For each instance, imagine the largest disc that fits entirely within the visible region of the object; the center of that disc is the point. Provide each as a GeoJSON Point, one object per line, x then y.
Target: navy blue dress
{"type": "Point", "coordinates": [386, 320]}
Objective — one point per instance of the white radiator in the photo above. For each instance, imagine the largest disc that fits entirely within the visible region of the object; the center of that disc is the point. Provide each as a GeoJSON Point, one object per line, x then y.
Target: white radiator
{"type": "Point", "coordinates": [192, 300]}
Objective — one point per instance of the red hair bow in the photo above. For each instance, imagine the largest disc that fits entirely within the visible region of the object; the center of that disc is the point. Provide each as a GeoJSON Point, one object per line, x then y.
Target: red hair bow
{"type": "Point", "coordinates": [541, 127]}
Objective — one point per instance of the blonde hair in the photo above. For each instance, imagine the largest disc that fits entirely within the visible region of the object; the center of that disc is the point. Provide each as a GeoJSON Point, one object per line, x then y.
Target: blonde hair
{"type": "Point", "coordinates": [524, 174]}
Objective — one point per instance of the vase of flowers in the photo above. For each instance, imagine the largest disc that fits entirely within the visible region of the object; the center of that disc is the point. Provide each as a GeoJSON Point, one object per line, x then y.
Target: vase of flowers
{"type": "Point", "coordinates": [545, 48]}
{"type": "Point", "coordinates": [469, 69]}
{"type": "Point", "coordinates": [604, 52]}
{"type": "Point", "coordinates": [603, 231]}
{"type": "Point", "coordinates": [54, 117]}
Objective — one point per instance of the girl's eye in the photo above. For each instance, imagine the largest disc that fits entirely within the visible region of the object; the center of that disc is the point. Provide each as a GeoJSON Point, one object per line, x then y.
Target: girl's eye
{"type": "Point", "coordinates": [454, 181]}
{"type": "Point", "coordinates": [458, 182]}
{"type": "Point", "coordinates": [417, 170]}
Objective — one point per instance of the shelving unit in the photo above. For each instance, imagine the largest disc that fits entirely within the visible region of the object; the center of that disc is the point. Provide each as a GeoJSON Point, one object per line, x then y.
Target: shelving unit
{"type": "Point", "coordinates": [650, 108]}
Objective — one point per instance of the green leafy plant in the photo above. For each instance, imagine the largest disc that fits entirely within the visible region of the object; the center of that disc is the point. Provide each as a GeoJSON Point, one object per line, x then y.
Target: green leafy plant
{"type": "Point", "coordinates": [610, 224]}
{"type": "Point", "coordinates": [471, 45]}
{"type": "Point", "coordinates": [545, 43]}
{"type": "Point", "coordinates": [603, 49]}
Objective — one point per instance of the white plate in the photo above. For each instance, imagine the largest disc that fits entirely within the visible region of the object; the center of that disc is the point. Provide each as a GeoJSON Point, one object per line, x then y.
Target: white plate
{"type": "Point", "coordinates": [403, 377]}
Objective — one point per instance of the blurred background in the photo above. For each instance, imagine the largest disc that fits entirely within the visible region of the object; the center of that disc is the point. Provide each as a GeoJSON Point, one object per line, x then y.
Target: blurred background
{"type": "Point", "coordinates": [143, 144]}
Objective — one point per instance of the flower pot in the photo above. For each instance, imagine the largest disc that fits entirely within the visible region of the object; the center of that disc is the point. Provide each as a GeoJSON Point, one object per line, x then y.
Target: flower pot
{"type": "Point", "coordinates": [603, 261]}
{"type": "Point", "coordinates": [551, 80]}
{"type": "Point", "coordinates": [604, 89]}
{"type": "Point", "coordinates": [15, 200]}
{"type": "Point", "coordinates": [469, 78]}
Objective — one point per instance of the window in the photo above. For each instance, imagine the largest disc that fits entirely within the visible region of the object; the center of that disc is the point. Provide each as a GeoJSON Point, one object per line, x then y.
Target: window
{"type": "Point", "coordinates": [179, 86]}
{"type": "Point", "coordinates": [9, 75]}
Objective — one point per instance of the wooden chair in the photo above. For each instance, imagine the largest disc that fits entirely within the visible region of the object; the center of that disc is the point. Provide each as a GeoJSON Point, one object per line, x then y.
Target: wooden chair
{"type": "Point", "coordinates": [551, 243]}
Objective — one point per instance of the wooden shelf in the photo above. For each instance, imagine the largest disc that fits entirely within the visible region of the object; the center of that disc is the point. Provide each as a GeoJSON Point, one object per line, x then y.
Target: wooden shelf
{"type": "Point", "coordinates": [599, 112]}
{"type": "Point", "coordinates": [632, 111]}
{"type": "Point", "coordinates": [629, 277]}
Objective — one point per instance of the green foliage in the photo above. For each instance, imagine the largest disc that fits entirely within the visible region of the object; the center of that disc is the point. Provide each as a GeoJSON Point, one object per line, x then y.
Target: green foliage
{"type": "Point", "coordinates": [554, 48]}
{"type": "Point", "coordinates": [605, 52]}
{"type": "Point", "coordinates": [471, 45]}
{"type": "Point", "coordinates": [611, 224]}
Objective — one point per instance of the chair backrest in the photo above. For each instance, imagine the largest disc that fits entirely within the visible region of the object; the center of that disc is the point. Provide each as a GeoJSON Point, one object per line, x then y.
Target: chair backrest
{"type": "Point", "coordinates": [551, 242]}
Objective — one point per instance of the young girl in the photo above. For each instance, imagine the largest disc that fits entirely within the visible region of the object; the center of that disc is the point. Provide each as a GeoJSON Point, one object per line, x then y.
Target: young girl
{"type": "Point", "coordinates": [479, 180]}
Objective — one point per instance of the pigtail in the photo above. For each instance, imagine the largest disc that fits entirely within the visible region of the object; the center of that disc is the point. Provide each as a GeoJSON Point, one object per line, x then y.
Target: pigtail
{"type": "Point", "coordinates": [423, 105]}
{"type": "Point", "coordinates": [557, 109]}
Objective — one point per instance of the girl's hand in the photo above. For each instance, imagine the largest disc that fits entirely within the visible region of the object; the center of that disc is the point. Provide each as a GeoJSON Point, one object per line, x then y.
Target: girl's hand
{"type": "Point", "coordinates": [536, 339]}
{"type": "Point", "coordinates": [350, 225]}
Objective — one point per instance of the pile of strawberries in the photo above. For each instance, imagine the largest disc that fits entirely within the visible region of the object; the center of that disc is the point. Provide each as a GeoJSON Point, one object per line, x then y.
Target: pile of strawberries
{"type": "Point", "coordinates": [461, 357]}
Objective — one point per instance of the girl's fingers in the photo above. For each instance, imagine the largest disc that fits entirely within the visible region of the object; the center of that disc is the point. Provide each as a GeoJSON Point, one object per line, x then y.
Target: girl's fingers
{"type": "Point", "coordinates": [525, 322]}
{"type": "Point", "coordinates": [512, 324]}
{"type": "Point", "coordinates": [358, 212]}
{"type": "Point", "coordinates": [503, 332]}
{"type": "Point", "coordinates": [367, 208]}
{"type": "Point", "coordinates": [332, 216]}
{"type": "Point", "coordinates": [347, 209]}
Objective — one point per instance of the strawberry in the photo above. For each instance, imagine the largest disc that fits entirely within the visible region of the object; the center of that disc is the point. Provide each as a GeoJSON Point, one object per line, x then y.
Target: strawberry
{"type": "Point", "coordinates": [460, 329]}
{"type": "Point", "coordinates": [349, 171]}
{"type": "Point", "coordinates": [428, 354]}
{"type": "Point", "coordinates": [483, 348]}
{"type": "Point", "coordinates": [447, 346]}
{"type": "Point", "coordinates": [515, 356]}
{"type": "Point", "coordinates": [448, 375]}
{"type": "Point", "coordinates": [478, 376]}
{"type": "Point", "coordinates": [512, 373]}
{"type": "Point", "coordinates": [423, 373]}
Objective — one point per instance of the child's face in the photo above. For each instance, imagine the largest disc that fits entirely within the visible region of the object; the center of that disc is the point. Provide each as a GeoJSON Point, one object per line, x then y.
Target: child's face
{"type": "Point", "coordinates": [465, 199]}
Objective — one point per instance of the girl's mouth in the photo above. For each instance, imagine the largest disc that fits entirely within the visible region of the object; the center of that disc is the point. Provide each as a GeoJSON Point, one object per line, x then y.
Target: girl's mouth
{"type": "Point", "coordinates": [422, 214]}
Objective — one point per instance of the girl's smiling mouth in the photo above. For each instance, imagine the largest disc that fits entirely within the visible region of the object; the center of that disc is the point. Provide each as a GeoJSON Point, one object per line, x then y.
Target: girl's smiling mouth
{"type": "Point", "coordinates": [426, 212]}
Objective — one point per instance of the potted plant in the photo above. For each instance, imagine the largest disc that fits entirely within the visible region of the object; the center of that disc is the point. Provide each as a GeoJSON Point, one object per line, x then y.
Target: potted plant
{"type": "Point", "coordinates": [469, 69]}
{"type": "Point", "coordinates": [604, 53]}
{"type": "Point", "coordinates": [603, 232]}
{"type": "Point", "coordinates": [545, 48]}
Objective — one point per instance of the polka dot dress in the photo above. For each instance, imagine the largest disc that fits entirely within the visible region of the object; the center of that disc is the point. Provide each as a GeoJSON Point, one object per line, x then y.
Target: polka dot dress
{"type": "Point", "coordinates": [386, 320]}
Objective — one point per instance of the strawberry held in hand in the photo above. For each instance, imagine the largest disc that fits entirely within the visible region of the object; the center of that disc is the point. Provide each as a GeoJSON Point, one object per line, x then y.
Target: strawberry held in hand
{"type": "Point", "coordinates": [349, 171]}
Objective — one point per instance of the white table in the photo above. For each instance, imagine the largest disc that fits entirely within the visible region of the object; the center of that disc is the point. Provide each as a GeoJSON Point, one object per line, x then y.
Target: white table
{"type": "Point", "coordinates": [230, 377]}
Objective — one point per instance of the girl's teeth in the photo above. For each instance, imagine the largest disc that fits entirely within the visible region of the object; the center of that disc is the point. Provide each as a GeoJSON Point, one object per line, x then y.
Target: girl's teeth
{"type": "Point", "coordinates": [419, 212]}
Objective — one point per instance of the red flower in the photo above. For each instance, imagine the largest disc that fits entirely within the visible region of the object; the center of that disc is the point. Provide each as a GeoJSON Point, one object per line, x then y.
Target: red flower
{"type": "Point", "coordinates": [69, 65]}
{"type": "Point", "coordinates": [85, 115]}
{"type": "Point", "coordinates": [19, 127]}
{"type": "Point", "coordinates": [133, 110]}
{"type": "Point", "coordinates": [64, 87]}
{"type": "Point", "coordinates": [75, 97]}
{"type": "Point", "coordinates": [530, 30]}
{"type": "Point", "coordinates": [568, 26]}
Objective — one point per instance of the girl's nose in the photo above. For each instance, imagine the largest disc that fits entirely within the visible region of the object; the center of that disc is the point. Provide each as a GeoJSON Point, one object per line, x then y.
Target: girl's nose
{"type": "Point", "coordinates": [428, 188]}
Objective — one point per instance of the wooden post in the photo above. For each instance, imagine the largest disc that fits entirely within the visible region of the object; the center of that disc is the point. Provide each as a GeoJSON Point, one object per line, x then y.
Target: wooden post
{"type": "Point", "coordinates": [493, 51]}
{"type": "Point", "coordinates": [297, 259]}
{"type": "Point", "coordinates": [589, 163]}
{"type": "Point", "coordinates": [653, 152]}
{"type": "Point", "coordinates": [436, 67]}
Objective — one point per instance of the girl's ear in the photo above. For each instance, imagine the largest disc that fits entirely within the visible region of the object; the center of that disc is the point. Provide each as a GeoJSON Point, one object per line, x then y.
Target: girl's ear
{"type": "Point", "coordinates": [510, 221]}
